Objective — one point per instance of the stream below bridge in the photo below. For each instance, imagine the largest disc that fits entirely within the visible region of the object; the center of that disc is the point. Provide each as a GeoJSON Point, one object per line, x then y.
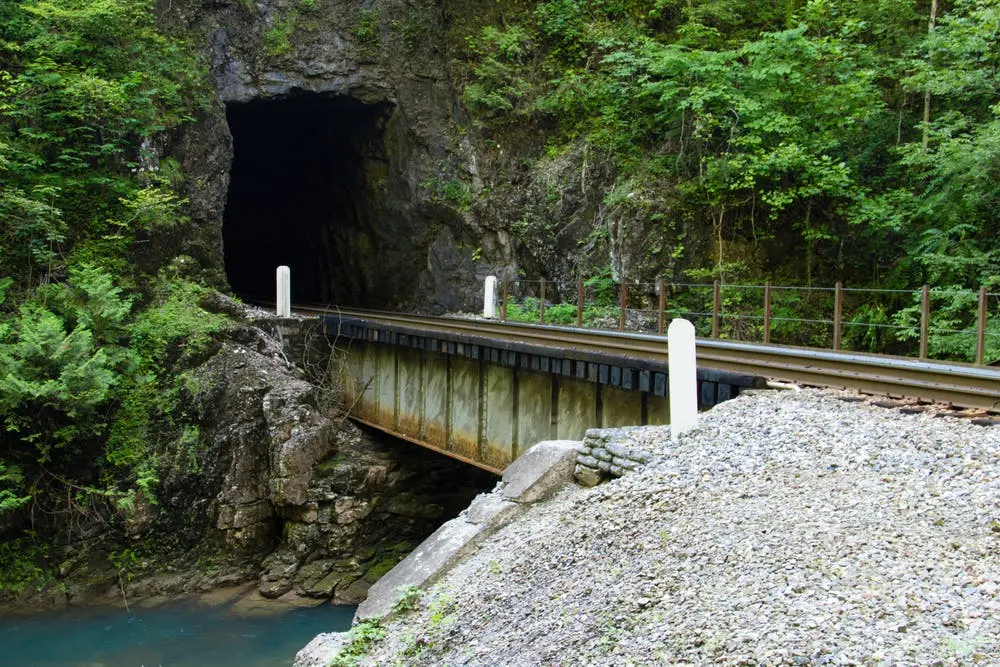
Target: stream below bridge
{"type": "Point", "coordinates": [176, 634]}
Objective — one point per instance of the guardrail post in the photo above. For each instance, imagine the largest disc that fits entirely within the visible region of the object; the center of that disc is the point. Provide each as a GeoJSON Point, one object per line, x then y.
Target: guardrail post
{"type": "Point", "coordinates": [622, 301]}
{"type": "Point", "coordinates": [767, 312]}
{"type": "Point", "coordinates": [981, 328]}
{"type": "Point", "coordinates": [682, 377]}
{"type": "Point", "coordinates": [838, 313]}
{"type": "Point", "coordinates": [925, 318]}
{"type": "Point", "coordinates": [661, 289]}
{"type": "Point", "coordinates": [541, 301]}
{"type": "Point", "coordinates": [579, 303]}
{"type": "Point", "coordinates": [490, 297]}
{"type": "Point", "coordinates": [284, 284]}
{"type": "Point", "coordinates": [716, 304]}
{"type": "Point", "coordinates": [503, 306]}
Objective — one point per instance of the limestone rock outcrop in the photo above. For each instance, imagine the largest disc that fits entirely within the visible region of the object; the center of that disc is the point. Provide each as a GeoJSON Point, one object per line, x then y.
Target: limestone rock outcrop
{"type": "Point", "coordinates": [285, 489]}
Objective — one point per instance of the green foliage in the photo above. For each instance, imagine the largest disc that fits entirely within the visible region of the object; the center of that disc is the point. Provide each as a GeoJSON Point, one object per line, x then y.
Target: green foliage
{"type": "Point", "coordinates": [174, 327]}
{"type": "Point", "coordinates": [365, 30]}
{"type": "Point", "coordinates": [952, 331]}
{"type": "Point", "coordinates": [564, 314]}
{"type": "Point", "coordinates": [90, 91]}
{"type": "Point", "coordinates": [603, 287]}
{"type": "Point", "coordinates": [11, 479]}
{"type": "Point", "coordinates": [380, 568]}
{"type": "Point", "coordinates": [499, 84]}
{"type": "Point", "coordinates": [867, 329]}
{"type": "Point", "coordinates": [452, 191]}
{"type": "Point", "coordinates": [526, 311]}
{"type": "Point", "coordinates": [409, 598]}
{"type": "Point", "coordinates": [84, 381]}
{"type": "Point", "coordinates": [87, 88]}
{"type": "Point", "coordinates": [278, 37]}
{"type": "Point", "coordinates": [23, 564]}
{"type": "Point", "coordinates": [794, 129]}
{"type": "Point", "coordinates": [59, 362]}
{"type": "Point", "coordinates": [413, 30]}
{"type": "Point", "coordinates": [126, 563]}
{"type": "Point", "coordinates": [360, 640]}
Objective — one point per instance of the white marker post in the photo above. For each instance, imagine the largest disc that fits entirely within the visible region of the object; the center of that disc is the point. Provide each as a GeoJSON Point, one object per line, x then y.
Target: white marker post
{"type": "Point", "coordinates": [682, 370]}
{"type": "Point", "coordinates": [490, 298]}
{"type": "Point", "coordinates": [284, 301]}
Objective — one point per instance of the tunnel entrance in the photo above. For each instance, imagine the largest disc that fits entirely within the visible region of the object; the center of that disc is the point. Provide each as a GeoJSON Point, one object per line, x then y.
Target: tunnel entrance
{"type": "Point", "coordinates": [308, 190]}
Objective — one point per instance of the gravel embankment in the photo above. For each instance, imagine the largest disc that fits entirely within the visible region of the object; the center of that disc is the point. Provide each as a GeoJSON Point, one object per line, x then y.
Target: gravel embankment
{"type": "Point", "coordinates": [790, 527]}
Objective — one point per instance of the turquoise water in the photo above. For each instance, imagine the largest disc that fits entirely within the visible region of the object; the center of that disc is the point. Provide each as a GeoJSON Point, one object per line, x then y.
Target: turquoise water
{"type": "Point", "coordinates": [174, 635]}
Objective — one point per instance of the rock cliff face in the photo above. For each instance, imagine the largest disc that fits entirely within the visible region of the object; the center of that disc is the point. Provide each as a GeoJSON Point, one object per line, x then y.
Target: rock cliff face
{"type": "Point", "coordinates": [285, 488]}
{"type": "Point", "coordinates": [367, 170]}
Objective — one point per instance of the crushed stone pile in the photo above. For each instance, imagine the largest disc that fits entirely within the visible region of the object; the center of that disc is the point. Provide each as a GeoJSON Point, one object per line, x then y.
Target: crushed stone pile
{"type": "Point", "coordinates": [789, 528]}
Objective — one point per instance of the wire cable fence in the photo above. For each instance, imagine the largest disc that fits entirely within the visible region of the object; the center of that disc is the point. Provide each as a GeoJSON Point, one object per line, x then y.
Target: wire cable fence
{"type": "Point", "coordinates": [930, 323]}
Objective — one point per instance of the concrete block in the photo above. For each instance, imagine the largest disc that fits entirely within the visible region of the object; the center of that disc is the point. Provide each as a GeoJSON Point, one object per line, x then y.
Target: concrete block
{"type": "Point", "coordinates": [540, 471]}
{"type": "Point", "coordinates": [322, 649]}
{"type": "Point", "coordinates": [491, 511]}
{"type": "Point", "coordinates": [422, 567]}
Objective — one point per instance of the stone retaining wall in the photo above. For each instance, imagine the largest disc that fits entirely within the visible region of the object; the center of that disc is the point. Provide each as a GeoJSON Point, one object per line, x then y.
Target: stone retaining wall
{"type": "Point", "coordinates": [609, 452]}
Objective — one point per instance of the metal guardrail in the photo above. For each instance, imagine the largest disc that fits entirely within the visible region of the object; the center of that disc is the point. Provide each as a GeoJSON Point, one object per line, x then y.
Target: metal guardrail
{"type": "Point", "coordinates": [963, 385]}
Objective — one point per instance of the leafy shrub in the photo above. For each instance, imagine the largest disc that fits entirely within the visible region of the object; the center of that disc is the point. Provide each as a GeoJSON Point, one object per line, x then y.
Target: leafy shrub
{"type": "Point", "coordinates": [362, 637]}
{"type": "Point", "coordinates": [23, 564]}
{"type": "Point", "coordinates": [561, 313]}
{"type": "Point", "coordinates": [366, 31]}
{"type": "Point", "coordinates": [498, 82]}
{"type": "Point", "coordinates": [60, 362]}
{"type": "Point", "coordinates": [278, 38]}
{"type": "Point", "coordinates": [174, 326]}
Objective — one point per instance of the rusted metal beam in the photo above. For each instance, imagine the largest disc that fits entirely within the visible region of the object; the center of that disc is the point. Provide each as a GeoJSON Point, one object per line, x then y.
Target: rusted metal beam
{"type": "Point", "coordinates": [767, 312]}
{"type": "Point", "coordinates": [541, 301]}
{"type": "Point", "coordinates": [623, 304]}
{"type": "Point", "coordinates": [505, 295]}
{"type": "Point", "coordinates": [661, 289]}
{"type": "Point", "coordinates": [838, 313]}
{"type": "Point", "coordinates": [716, 305]}
{"type": "Point", "coordinates": [981, 328]}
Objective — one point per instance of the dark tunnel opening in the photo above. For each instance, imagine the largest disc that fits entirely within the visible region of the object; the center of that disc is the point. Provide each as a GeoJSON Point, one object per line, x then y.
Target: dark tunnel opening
{"type": "Point", "coordinates": [307, 190]}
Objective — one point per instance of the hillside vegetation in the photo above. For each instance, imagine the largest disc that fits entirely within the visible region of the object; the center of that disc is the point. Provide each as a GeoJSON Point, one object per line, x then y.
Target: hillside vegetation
{"type": "Point", "coordinates": [801, 141]}
{"type": "Point", "coordinates": [92, 332]}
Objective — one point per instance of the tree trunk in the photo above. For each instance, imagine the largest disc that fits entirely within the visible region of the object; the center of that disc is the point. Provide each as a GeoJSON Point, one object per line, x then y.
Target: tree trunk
{"type": "Point", "coordinates": [927, 94]}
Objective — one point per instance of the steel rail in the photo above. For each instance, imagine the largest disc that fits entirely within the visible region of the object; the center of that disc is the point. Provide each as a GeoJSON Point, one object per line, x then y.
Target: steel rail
{"type": "Point", "coordinates": [962, 385]}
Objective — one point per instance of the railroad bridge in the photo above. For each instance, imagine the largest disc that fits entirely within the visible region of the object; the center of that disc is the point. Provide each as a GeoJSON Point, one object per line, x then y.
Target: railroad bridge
{"type": "Point", "coordinates": [460, 388]}
{"type": "Point", "coordinates": [484, 392]}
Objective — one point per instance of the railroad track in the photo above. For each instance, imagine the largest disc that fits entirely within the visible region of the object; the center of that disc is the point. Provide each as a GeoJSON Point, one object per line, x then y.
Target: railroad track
{"type": "Point", "coordinates": [949, 383]}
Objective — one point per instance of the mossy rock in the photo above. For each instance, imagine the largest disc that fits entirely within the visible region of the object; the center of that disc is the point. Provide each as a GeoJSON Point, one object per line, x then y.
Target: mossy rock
{"type": "Point", "coordinates": [380, 568]}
